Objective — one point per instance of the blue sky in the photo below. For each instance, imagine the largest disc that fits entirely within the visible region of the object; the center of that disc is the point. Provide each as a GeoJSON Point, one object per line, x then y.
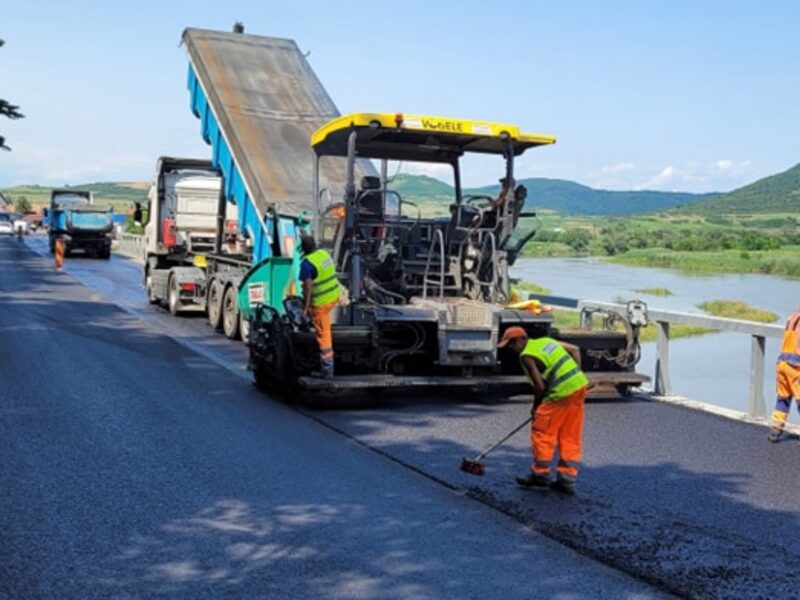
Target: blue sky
{"type": "Point", "coordinates": [690, 96]}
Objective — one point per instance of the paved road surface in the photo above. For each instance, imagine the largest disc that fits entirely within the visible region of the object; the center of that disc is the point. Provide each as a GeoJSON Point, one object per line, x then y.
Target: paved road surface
{"type": "Point", "coordinates": [132, 466]}
{"type": "Point", "coordinates": [695, 504]}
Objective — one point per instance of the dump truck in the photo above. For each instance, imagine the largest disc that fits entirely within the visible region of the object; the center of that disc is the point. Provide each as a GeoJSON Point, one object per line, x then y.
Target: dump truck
{"type": "Point", "coordinates": [74, 217]}
{"type": "Point", "coordinates": [428, 297]}
{"type": "Point", "coordinates": [258, 101]}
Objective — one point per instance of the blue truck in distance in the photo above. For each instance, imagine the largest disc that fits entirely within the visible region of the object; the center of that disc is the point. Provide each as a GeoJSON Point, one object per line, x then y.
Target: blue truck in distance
{"type": "Point", "coordinates": [82, 225]}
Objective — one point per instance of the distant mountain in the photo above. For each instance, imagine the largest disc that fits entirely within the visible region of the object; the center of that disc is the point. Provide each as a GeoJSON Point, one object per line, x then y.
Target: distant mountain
{"type": "Point", "coordinates": [774, 194]}
{"type": "Point", "coordinates": [413, 187]}
{"type": "Point", "coordinates": [562, 196]}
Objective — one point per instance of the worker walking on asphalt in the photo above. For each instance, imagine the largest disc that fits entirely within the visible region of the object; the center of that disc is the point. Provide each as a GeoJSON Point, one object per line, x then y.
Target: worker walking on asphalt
{"type": "Point", "coordinates": [320, 296]}
{"type": "Point", "coordinates": [559, 390]}
{"type": "Point", "coordinates": [787, 376]}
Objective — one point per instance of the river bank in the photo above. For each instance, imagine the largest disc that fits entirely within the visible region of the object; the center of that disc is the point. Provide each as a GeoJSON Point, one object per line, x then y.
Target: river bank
{"type": "Point", "coordinates": [784, 262]}
{"type": "Point", "coordinates": [710, 368]}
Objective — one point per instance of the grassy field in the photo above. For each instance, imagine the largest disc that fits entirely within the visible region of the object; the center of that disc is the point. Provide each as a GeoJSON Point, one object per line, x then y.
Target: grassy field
{"type": "Point", "coordinates": [655, 291]}
{"type": "Point", "coordinates": [529, 286]}
{"type": "Point", "coordinates": [736, 309]}
{"type": "Point", "coordinates": [120, 195]}
{"type": "Point", "coordinates": [694, 243]}
{"type": "Point", "coordinates": [571, 319]}
{"type": "Point", "coordinates": [784, 261]}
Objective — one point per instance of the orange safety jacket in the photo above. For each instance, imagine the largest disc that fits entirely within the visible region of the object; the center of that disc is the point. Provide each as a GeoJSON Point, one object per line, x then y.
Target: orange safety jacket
{"type": "Point", "coordinates": [790, 346]}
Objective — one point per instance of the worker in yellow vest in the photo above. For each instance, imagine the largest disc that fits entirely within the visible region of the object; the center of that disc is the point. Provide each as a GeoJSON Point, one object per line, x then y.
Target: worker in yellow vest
{"type": "Point", "coordinates": [787, 376]}
{"type": "Point", "coordinates": [320, 296]}
{"type": "Point", "coordinates": [559, 390]}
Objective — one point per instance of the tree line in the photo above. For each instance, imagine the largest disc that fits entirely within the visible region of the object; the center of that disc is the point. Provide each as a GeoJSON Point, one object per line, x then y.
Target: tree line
{"type": "Point", "coordinates": [618, 238]}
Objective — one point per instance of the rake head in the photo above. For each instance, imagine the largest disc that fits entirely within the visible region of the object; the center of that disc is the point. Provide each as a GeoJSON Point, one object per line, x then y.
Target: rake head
{"type": "Point", "coordinates": [473, 467]}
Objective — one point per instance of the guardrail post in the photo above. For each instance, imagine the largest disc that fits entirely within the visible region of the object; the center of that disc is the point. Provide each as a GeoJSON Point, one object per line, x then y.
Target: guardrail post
{"type": "Point", "coordinates": [756, 407]}
{"type": "Point", "coordinates": [586, 319]}
{"type": "Point", "coordinates": [663, 385]}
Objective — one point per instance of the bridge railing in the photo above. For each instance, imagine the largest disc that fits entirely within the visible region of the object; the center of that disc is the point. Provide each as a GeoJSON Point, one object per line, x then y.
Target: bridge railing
{"type": "Point", "coordinates": [131, 245]}
{"type": "Point", "coordinates": [758, 333]}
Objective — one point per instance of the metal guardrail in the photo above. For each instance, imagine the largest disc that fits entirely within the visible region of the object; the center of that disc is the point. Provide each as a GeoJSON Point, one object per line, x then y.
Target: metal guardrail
{"type": "Point", "coordinates": [131, 245]}
{"type": "Point", "coordinates": [758, 333]}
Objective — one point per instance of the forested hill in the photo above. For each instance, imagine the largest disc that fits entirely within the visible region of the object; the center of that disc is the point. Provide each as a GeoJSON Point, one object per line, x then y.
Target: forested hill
{"type": "Point", "coordinates": [565, 197]}
{"type": "Point", "coordinates": [774, 194]}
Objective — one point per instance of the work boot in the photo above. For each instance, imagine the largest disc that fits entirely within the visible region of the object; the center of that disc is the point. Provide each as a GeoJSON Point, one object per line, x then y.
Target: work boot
{"type": "Point", "coordinates": [532, 480]}
{"type": "Point", "coordinates": [563, 487]}
{"type": "Point", "coordinates": [775, 435]}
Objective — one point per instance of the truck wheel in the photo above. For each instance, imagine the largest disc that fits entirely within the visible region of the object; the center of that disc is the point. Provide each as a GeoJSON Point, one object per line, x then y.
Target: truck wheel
{"type": "Point", "coordinates": [148, 287]}
{"type": "Point", "coordinates": [173, 297]}
{"type": "Point", "coordinates": [230, 313]}
{"type": "Point", "coordinates": [244, 328]}
{"type": "Point", "coordinates": [152, 265]}
{"type": "Point", "coordinates": [214, 304]}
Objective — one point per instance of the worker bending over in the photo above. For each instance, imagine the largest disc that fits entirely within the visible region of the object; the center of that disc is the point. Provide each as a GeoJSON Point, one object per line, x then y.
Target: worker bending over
{"type": "Point", "coordinates": [320, 296]}
{"type": "Point", "coordinates": [787, 376]}
{"type": "Point", "coordinates": [559, 391]}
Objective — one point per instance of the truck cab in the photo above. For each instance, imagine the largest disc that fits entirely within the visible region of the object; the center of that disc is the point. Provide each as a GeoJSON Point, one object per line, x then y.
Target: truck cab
{"type": "Point", "coordinates": [192, 239]}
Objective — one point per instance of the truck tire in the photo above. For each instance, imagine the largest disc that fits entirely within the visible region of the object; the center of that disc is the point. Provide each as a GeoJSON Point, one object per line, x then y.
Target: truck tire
{"type": "Point", "coordinates": [173, 297]}
{"type": "Point", "coordinates": [230, 313]}
{"type": "Point", "coordinates": [244, 328]}
{"type": "Point", "coordinates": [148, 282]}
{"type": "Point", "coordinates": [214, 304]}
{"type": "Point", "coordinates": [148, 288]}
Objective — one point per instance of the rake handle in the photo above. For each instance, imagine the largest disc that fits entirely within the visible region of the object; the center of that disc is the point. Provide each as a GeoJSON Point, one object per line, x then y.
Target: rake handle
{"type": "Point", "coordinates": [496, 444]}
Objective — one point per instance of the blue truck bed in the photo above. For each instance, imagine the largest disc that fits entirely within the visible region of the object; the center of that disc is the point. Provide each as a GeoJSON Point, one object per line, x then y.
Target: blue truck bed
{"type": "Point", "coordinates": [258, 102]}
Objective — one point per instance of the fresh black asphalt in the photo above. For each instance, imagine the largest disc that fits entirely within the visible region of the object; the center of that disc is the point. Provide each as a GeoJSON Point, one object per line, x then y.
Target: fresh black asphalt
{"type": "Point", "coordinates": [132, 466]}
{"type": "Point", "coordinates": [695, 504]}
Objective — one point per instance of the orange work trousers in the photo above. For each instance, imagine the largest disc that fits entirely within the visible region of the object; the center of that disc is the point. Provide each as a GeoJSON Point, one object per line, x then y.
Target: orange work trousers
{"type": "Point", "coordinates": [559, 423]}
{"type": "Point", "coordinates": [321, 319]}
{"type": "Point", "coordinates": [787, 384]}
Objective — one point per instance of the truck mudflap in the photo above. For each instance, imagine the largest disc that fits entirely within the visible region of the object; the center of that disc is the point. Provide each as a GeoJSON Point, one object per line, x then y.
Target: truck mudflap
{"type": "Point", "coordinates": [608, 381]}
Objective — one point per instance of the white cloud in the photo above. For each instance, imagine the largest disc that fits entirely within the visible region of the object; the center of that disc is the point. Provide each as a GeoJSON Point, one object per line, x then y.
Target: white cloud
{"type": "Point", "coordinates": [719, 175]}
{"type": "Point", "coordinates": [663, 176]}
{"type": "Point", "coordinates": [724, 164]}
{"type": "Point", "coordinates": [31, 164]}
{"type": "Point", "coordinates": [616, 176]}
{"type": "Point", "coordinates": [618, 168]}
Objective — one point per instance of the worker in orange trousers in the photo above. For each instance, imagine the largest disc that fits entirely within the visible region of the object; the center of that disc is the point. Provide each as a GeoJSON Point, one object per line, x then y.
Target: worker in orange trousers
{"type": "Point", "coordinates": [321, 292]}
{"type": "Point", "coordinates": [787, 376]}
{"type": "Point", "coordinates": [559, 389]}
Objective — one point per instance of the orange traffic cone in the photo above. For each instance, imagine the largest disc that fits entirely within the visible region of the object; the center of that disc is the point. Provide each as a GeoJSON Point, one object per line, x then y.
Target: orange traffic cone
{"type": "Point", "coordinates": [59, 253]}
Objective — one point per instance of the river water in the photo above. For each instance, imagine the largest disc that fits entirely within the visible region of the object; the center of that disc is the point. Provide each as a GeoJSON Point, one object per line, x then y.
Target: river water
{"type": "Point", "coordinates": [714, 368]}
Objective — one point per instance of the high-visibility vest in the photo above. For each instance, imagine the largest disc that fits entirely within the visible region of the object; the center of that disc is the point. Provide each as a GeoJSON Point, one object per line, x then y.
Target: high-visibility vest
{"type": "Point", "coordinates": [790, 345]}
{"type": "Point", "coordinates": [562, 376]}
{"type": "Point", "coordinates": [325, 288]}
